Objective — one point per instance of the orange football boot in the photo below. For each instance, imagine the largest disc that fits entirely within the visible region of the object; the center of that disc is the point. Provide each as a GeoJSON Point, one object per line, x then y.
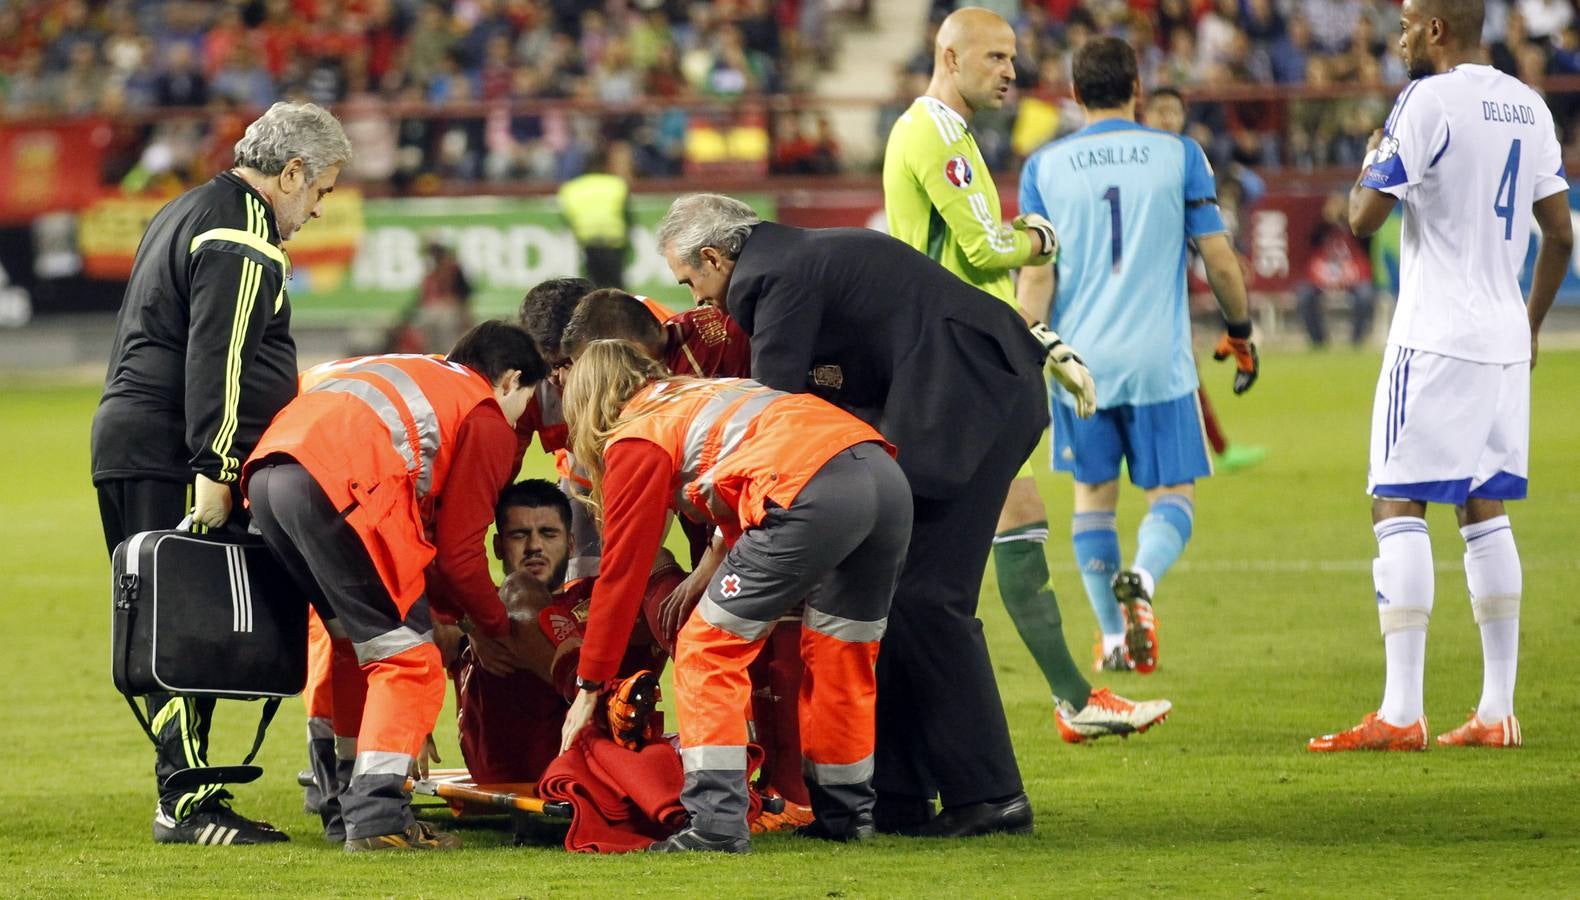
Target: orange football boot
{"type": "Point", "coordinates": [1373, 734]}
{"type": "Point", "coordinates": [1475, 733]}
{"type": "Point", "coordinates": [1141, 624]}
{"type": "Point", "coordinates": [794, 816]}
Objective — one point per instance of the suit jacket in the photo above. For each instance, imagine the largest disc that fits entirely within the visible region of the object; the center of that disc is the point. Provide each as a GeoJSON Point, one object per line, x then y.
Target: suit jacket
{"type": "Point", "coordinates": [932, 362]}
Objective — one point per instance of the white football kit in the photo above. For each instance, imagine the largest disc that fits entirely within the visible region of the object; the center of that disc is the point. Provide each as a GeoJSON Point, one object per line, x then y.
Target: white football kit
{"type": "Point", "coordinates": [1467, 151]}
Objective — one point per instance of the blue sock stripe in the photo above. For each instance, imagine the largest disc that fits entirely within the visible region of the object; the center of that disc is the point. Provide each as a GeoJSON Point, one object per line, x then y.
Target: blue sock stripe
{"type": "Point", "coordinates": [1477, 537]}
{"type": "Point", "coordinates": [1405, 528]}
{"type": "Point", "coordinates": [1094, 521]}
{"type": "Point", "coordinates": [1477, 530]}
{"type": "Point", "coordinates": [1179, 500]}
{"type": "Point", "coordinates": [1174, 511]}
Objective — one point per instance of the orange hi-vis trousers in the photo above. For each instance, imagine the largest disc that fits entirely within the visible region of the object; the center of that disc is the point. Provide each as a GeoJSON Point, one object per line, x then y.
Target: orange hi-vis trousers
{"type": "Point", "coordinates": [841, 541]}
{"type": "Point", "coordinates": [387, 681]}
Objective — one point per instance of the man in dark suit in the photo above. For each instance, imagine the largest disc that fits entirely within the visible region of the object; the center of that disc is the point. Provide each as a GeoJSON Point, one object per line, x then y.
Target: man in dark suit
{"type": "Point", "coordinates": [953, 378]}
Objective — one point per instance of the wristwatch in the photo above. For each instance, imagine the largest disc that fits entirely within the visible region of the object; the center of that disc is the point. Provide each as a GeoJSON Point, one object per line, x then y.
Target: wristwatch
{"type": "Point", "coordinates": [591, 687]}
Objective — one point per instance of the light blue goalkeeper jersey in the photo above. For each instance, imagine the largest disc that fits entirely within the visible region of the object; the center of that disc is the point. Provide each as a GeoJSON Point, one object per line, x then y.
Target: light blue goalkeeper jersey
{"type": "Point", "coordinates": [1124, 200]}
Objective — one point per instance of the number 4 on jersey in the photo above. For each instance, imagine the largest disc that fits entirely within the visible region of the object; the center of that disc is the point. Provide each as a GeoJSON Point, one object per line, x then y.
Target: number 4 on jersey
{"type": "Point", "coordinates": [1503, 200]}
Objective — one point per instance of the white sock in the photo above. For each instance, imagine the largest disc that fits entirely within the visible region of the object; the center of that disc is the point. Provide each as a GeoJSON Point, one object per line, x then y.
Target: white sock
{"type": "Point", "coordinates": [1492, 570]}
{"type": "Point", "coordinates": [1113, 641]}
{"type": "Point", "coordinates": [1403, 577]}
{"type": "Point", "coordinates": [1148, 583]}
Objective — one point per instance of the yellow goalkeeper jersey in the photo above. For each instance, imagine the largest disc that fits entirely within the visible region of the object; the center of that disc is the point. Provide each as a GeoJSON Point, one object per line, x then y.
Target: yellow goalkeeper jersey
{"type": "Point", "coordinates": [940, 198]}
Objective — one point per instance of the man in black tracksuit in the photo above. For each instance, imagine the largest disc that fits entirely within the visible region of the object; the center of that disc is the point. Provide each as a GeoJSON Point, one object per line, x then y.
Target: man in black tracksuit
{"type": "Point", "coordinates": [203, 359]}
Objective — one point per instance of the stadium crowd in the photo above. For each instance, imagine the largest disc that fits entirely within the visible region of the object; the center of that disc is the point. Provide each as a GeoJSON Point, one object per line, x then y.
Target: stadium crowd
{"type": "Point", "coordinates": [450, 65]}
{"type": "Point", "coordinates": [1206, 46]}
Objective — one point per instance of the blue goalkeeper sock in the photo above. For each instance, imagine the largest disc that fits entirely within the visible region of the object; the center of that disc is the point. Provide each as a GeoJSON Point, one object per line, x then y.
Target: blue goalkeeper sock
{"type": "Point", "coordinates": [1096, 539]}
{"type": "Point", "coordinates": [1163, 534]}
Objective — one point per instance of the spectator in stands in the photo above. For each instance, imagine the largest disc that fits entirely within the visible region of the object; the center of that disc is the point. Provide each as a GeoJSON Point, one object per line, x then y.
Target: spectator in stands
{"type": "Point", "coordinates": [1546, 19]}
{"type": "Point", "coordinates": [1288, 54]}
{"type": "Point", "coordinates": [30, 90]}
{"type": "Point", "coordinates": [1338, 265]}
{"type": "Point", "coordinates": [180, 82]}
{"type": "Point", "coordinates": [1262, 21]}
{"type": "Point", "coordinates": [1332, 22]}
{"type": "Point", "coordinates": [240, 76]}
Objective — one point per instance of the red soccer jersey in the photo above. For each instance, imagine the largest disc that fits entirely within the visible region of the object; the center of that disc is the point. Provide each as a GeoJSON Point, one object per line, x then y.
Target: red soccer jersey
{"type": "Point", "coordinates": [510, 727]}
{"type": "Point", "coordinates": [543, 417]}
{"type": "Point", "coordinates": [704, 342]}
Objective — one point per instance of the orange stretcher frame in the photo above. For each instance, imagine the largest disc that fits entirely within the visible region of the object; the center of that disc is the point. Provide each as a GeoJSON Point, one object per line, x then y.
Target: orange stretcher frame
{"type": "Point", "coordinates": [455, 787]}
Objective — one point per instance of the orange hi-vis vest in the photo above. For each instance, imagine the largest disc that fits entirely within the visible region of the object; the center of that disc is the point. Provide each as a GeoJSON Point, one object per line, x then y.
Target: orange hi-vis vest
{"type": "Point", "coordinates": [735, 444]}
{"type": "Point", "coordinates": [659, 310]}
{"type": "Point", "coordinates": [376, 433]}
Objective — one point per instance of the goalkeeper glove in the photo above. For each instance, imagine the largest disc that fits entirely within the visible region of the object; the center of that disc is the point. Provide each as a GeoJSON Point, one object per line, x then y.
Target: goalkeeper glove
{"type": "Point", "coordinates": [1043, 228]}
{"type": "Point", "coordinates": [1067, 369]}
{"type": "Point", "coordinates": [1237, 343]}
{"type": "Point", "coordinates": [629, 710]}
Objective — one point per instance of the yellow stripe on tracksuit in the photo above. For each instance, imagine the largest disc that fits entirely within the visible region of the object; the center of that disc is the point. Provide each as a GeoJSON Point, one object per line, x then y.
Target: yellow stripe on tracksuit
{"type": "Point", "coordinates": [256, 237]}
{"type": "Point", "coordinates": [180, 710]}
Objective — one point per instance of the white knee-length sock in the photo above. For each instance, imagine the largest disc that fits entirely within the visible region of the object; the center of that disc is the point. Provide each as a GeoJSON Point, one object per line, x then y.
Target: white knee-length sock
{"type": "Point", "coordinates": [1492, 570]}
{"type": "Point", "coordinates": [1403, 577]}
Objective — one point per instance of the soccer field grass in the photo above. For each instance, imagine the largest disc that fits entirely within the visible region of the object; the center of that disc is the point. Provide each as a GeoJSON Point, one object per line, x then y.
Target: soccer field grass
{"type": "Point", "coordinates": [1268, 634]}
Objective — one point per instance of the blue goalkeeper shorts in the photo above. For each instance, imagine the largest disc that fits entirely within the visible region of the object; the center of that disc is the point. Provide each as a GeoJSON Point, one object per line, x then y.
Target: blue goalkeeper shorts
{"type": "Point", "coordinates": [1162, 443]}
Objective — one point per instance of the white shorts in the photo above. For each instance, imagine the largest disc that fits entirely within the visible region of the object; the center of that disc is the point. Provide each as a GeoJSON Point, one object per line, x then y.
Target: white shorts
{"type": "Point", "coordinates": [1446, 429]}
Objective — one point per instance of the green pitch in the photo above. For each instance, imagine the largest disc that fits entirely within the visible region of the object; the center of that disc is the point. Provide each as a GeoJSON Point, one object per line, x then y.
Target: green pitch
{"type": "Point", "coordinates": [1269, 636]}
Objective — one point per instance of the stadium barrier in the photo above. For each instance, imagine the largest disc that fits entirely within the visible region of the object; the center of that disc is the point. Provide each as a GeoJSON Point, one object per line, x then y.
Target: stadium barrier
{"type": "Point", "coordinates": [362, 262]}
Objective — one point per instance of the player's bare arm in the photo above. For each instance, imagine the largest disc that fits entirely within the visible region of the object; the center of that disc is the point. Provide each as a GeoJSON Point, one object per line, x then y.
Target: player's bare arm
{"type": "Point", "coordinates": [1553, 218]}
{"type": "Point", "coordinates": [1034, 292]}
{"type": "Point", "coordinates": [1225, 276]}
{"type": "Point", "coordinates": [1369, 207]}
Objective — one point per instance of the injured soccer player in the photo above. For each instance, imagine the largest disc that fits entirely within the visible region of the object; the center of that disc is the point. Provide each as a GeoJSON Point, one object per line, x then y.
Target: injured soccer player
{"type": "Point", "coordinates": [510, 718]}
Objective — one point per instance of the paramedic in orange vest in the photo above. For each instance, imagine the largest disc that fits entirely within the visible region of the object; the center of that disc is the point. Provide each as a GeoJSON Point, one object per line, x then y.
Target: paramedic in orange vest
{"type": "Point", "coordinates": [346, 487]}
{"type": "Point", "coordinates": [807, 496]}
{"type": "Point", "coordinates": [704, 342]}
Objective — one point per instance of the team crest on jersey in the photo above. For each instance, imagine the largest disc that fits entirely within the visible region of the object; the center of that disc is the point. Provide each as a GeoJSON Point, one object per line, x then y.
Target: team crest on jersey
{"type": "Point", "coordinates": [958, 171]}
{"type": "Point", "coordinates": [1387, 148]}
{"type": "Point", "coordinates": [730, 585]}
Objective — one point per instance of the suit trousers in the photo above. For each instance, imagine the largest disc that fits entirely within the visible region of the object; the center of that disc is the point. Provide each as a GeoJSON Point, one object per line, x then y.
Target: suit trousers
{"type": "Point", "coordinates": [941, 725]}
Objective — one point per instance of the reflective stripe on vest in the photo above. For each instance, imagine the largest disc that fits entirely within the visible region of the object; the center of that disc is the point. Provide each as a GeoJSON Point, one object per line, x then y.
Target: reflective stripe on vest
{"type": "Point", "coordinates": [713, 434]}
{"type": "Point", "coordinates": [413, 425]}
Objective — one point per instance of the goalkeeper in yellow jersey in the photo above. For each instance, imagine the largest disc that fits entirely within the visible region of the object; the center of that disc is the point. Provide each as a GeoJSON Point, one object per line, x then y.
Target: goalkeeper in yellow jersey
{"type": "Point", "coordinates": [940, 199]}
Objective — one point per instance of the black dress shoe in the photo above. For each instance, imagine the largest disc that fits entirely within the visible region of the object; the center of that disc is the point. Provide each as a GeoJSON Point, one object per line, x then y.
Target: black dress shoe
{"type": "Point", "coordinates": [1011, 815]}
{"type": "Point", "coordinates": [898, 814]}
{"type": "Point", "coordinates": [855, 830]}
{"type": "Point", "coordinates": [689, 839]}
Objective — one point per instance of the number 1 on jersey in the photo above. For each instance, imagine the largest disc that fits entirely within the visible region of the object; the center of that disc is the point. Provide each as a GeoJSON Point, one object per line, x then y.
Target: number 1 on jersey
{"type": "Point", "coordinates": [1115, 235]}
{"type": "Point", "coordinates": [1503, 200]}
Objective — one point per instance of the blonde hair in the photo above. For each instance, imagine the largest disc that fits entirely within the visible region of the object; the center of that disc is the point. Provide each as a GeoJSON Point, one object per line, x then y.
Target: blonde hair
{"type": "Point", "coordinates": [600, 385]}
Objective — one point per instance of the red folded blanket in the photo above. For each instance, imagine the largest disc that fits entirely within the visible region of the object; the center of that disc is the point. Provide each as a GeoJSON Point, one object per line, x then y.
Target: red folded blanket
{"type": "Point", "coordinates": [623, 800]}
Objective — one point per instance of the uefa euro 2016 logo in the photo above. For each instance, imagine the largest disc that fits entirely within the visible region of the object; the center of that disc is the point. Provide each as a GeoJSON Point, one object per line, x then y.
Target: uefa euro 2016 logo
{"type": "Point", "coordinates": [958, 171]}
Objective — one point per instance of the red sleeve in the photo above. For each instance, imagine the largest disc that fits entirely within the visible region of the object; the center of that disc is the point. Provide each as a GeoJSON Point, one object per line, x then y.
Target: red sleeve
{"type": "Point", "coordinates": [705, 342]}
{"type": "Point", "coordinates": [480, 467]}
{"type": "Point", "coordinates": [636, 500]}
{"type": "Point", "coordinates": [547, 423]}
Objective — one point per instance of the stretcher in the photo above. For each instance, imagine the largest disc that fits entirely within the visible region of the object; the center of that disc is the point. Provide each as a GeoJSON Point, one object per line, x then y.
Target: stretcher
{"type": "Point", "coordinates": [459, 792]}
